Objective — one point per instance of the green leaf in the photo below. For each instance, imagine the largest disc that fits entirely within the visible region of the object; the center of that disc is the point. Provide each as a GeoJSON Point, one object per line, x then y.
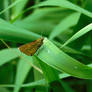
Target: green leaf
{"type": "Point", "coordinates": [32, 84]}
{"type": "Point", "coordinates": [43, 20]}
{"type": "Point", "coordinates": [18, 7]}
{"type": "Point", "coordinates": [56, 58]}
{"type": "Point", "coordinates": [78, 34]}
{"type": "Point", "coordinates": [65, 4]}
{"type": "Point", "coordinates": [53, 76]}
{"type": "Point", "coordinates": [7, 13]}
{"type": "Point", "coordinates": [22, 71]}
{"type": "Point", "coordinates": [67, 49]}
{"type": "Point", "coordinates": [46, 69]}
{"type": "Point", "coordinates": [10, 6]}
{"type": "Point", "coordinates": [4, 90]}
{"type": "Point", "coordinates": [39, 76]}
{"type": "Point", "coordinates": [6, 55]}
{"type": "Point", "coordinates": [64, 24]}
{"type": "Point", "coordinates": [13, 33]}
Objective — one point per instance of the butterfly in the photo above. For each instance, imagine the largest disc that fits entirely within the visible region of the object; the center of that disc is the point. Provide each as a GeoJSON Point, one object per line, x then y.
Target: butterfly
{"type": "Point", "coordinates": [31, 48]}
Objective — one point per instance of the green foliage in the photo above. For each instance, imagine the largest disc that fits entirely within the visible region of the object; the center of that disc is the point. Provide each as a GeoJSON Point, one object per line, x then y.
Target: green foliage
{"type": "Point", "coordinates": [63, 62]}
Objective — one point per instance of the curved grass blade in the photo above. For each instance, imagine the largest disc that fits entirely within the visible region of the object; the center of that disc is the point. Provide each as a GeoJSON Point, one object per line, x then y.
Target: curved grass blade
{"type": "Point", "coordinates": [60, 3]}
{"type": "Point", "coordinates": [18, 7]}
{"type": "Point", "coordinates": [39, 82]}
{"type": "Point", "coordinates": [6, 13]}
{"type": "Point", "coordinates": [14, 33]}
{"type": "Point", "coordinates": [65, 4]}
{"type": "Point", "coordinates": [22, 71]}
{"type": "Point", "coordinates": [78, 34]}
{"type": "Point", "coordinates": [51, 75]}
{"type": "Point", "coordinates": [56, 58]}
{"type": "Point", "coordinates": [66, 23]}
{"type": "Point", "coordinates": [6, 56]}
{"type": "Point", "coordinates": [10, 6]}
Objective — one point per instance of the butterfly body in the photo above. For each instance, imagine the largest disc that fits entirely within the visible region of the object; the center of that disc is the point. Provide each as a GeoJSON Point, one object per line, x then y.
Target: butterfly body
{"type": "Point", "coordinates": [31, 48]}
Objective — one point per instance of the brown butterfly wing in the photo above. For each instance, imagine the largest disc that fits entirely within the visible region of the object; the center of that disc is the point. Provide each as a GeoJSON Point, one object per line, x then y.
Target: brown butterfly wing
{"type": "Point", "coordinates": [31, 48]}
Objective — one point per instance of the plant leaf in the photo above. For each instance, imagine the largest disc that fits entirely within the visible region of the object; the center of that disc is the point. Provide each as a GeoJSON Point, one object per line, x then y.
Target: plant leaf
{"type": "Point", "coordinates": [14, 33]}
{"type": "Point", "coordinates": [64, 24]}
{"type": "Point", "coordinates": [22, 71]}
{"type": "Point", "coordinates": [6, 55]}
{"type": "Point", "coordinates": [79, 34]}
{"type": "Point", "coordinates": [52, 56]}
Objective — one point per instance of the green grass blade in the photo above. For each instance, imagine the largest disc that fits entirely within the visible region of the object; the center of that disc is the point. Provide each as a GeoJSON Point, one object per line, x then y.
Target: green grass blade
{"type": "Point", "coordinates": [70, 50]}
{"type": "Point", "coordinates": [51, 55]}
{"type": "Point", "coordinates": [38, 76]}
{"type": "Point", "coordinates": [10, 6]}
{"type": "Point", "coordinates": [39, 82]}
{"type": "Point", "coordinates": [67, 49]}
{"type": "Point", "coordinates": [46, 69]}
{"type": "Point", "coordinates": [22, 71]}
{"type": "Point", "coordinates": [7, 13]}
{"type": "Point", "coordinates": [64, 24]}
{"type": "Point", "coordinates": [13, 33]}
{"type": "Point", "coordinates": [32, 84]}
{"type": "Point", "coordinates": [18, 7]}
{"type": "Point", "coordinates": [6, 55]}
{"type": "Point", "coordinates": [43, 21]}
{"type": "Point", "coordinates": [79, 34]}
{"type": "Point", "coordinates": [65, 4]}
{"type": "Point", "coordinates": [50, 78]}
{"type": "Point", "coordinates": [61, 3]}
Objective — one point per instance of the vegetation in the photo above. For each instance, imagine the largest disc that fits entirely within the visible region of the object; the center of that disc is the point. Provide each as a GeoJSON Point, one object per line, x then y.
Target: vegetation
{"type": "Point", "coordinates": [63, 62]}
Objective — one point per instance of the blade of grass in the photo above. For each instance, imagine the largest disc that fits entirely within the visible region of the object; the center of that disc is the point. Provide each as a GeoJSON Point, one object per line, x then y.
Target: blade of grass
{"type": "Point", "coordinates": [45, 69]}
{"type": "Point", "coordinates": [64, 24]}
{"type": "Point", "coordinates": [6, 14]}
{"type": "Point", "coordinates": [52, 56]}
{"type": "Point", "coordinates": [70, 50]}
{"type": "Point", "coordinates": [39, 82]}
{"type": "Point", "coordinates": [6, 56]}
{"type": "Point", "coordinates": [22, 71]}
{"type": "Point", "coordinates": [67, 49]}
{"type": "Point", "coordinates": [10, 6]}
{"type": "Point", "coordinates": [65, 4]}
{"type": "Point", "coordinates": [13, 33]}
{"type": "Point", "coordinates": [43, 20]}
{"type": "Point", "coordinates": [60, 3]}
{"type": "Point", "coordinates": [78, 34]}
{"type": "Point", "coordinates": [38, 76]}
{"type": "Point", "coordinates": [53, 77]}
{"type": "Point", "coordinates": [13, 53]}
{"type": "Point", "coordinates": [18, 7]}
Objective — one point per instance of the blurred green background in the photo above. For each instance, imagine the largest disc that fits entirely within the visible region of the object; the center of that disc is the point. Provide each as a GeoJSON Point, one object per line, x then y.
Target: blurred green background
{"type": "Point", "coordinates": [63, 63]}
